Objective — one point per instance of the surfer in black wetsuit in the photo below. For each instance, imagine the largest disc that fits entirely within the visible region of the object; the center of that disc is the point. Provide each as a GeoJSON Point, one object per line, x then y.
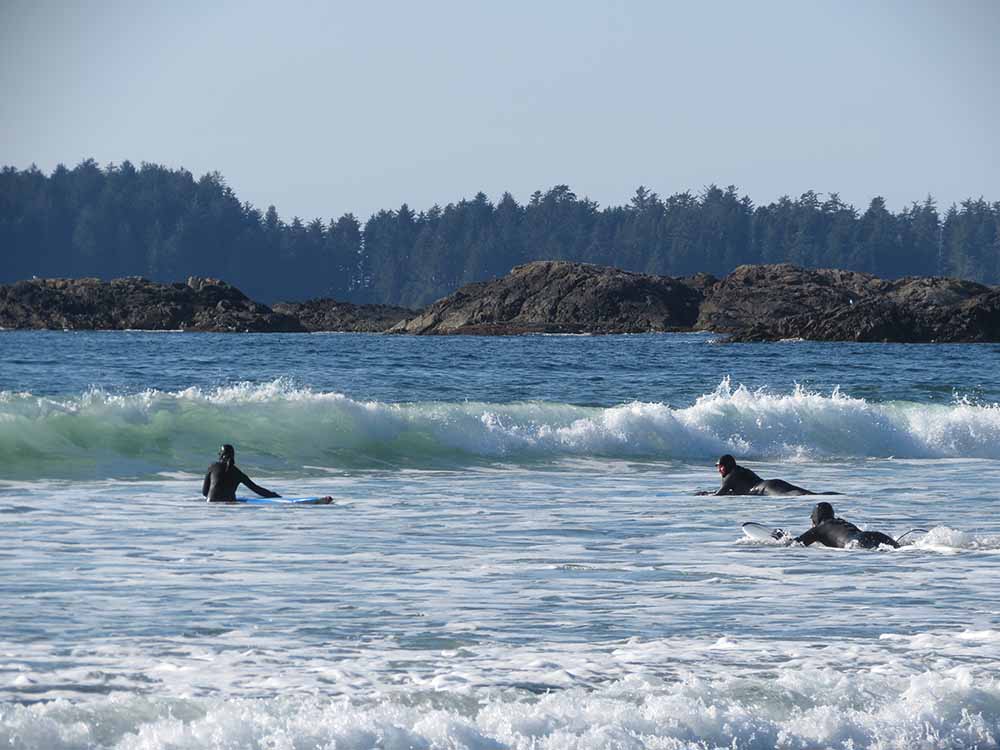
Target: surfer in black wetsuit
{"type": "Point", "coordinates": [738, 480]}
{"type": "Point", "coordinates": [224, 477]}
{"type": "Point", "coordinates": [836, 532]}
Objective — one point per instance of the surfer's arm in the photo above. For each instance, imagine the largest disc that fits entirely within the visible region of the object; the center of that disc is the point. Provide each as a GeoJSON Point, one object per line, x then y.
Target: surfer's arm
{"type": "Point", "coordinates": [262, 491]}
{"type": "Point", "coordinates": [728, 485]}
{"type": "Point", "coordinates": [808, 537]}
{"type": "Point", "coordinates": [207, 484]}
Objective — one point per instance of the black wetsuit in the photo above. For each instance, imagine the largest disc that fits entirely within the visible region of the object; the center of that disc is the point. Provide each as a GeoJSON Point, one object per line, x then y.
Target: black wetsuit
{"type": "Point", "coordinates": [742, 481]}
{"type": "Point", "coordinates": [836, 532]}
{"type": "Point", "coordinates": [780, 487]}
{"type": "Point", "coordinates": [222, 480]}
{"type": "Point", "coordinates": [739, 481]}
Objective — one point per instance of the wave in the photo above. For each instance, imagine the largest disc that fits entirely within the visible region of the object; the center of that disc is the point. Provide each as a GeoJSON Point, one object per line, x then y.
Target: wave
{"type": "Point", "coordinates": [930, 689]}
{"type": "Point", "coordinates": [805, 709]}
{"type": "Point", "coordinates": [948, 540]}
{"type": "Point", "coordinates": [282, 426]}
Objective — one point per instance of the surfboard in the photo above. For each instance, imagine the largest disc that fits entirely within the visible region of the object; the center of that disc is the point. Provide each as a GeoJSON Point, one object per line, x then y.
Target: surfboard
{"type": "Point", "coordinates": [285, 500]}
{"type": "Point", "coordinates": [761, 533]}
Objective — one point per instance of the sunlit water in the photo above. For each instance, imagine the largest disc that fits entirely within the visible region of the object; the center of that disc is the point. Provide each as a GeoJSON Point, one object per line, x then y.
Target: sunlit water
{"type": "Point", "coordinates": [515, 558]}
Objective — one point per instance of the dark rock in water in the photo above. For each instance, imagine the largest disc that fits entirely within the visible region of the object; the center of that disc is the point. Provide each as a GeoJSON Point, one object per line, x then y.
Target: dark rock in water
{"type": "Point", "coordinates": [330, 315]}
{"type": "Point", "coordinates": [771, 302]}
{"type": "Point", "coordinates": [754, 303]}
{"type": "Point", "coordinates": [136, 303]}
{"type": "Point", "coordinates": [562, 297]}
{"type": "Point", "coordinates": [777, 301]}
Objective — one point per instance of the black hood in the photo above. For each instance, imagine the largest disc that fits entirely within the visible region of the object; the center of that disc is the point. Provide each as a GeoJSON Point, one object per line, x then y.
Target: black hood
{"type": "Point", "coordinates": [822, 512]}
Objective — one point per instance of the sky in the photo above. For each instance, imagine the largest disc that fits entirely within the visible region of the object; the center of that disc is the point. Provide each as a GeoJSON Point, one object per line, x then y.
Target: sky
{"type": "Point", "coordinates": [324, 108]}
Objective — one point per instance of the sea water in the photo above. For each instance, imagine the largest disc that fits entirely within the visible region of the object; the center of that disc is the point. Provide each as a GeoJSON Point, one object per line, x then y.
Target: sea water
{"type": "Point", "coordinates": [515, 557]}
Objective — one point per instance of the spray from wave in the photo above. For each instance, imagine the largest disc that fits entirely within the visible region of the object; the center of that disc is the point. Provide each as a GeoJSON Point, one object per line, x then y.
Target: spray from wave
{"type": "Point", "coordinates": [284, 427]}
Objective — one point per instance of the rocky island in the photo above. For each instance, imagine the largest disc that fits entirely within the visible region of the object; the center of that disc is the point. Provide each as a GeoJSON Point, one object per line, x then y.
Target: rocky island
{"type": "Point", "coordinates": [753, 303]}
{"type": "Point", "coordinates": [200, 304]}
{"type": "Point", "coordinates": [773, 302]}
{"type": "Point", "coordinates": [562, 297]}
{"type": "Point", "coordinates": [136, 303]}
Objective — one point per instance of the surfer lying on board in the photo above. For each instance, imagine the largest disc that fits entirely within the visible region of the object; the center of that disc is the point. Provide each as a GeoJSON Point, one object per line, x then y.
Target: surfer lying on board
{"type": "Point", "coordinates": [224, 477]}
{"type": "Point", "coordinates": [739, 480]}
{"type": "Point", "coordinates": [836, 532]}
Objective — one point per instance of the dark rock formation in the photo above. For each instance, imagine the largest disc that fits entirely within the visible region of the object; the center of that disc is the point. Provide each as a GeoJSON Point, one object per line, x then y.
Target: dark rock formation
{"type": "Point", "coordinates": [754, 303]}
{"type": "Point", "coordinates": [759, 303]}
{"type": "Point", "coordinates": [562, 297]}
{"type": "Point", "coordinates": [136, 303]}
{"type": "Point", "coordinates": [330, 315]}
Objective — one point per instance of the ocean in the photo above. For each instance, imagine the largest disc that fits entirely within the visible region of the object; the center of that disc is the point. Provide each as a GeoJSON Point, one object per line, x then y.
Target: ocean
{"type": "Point", "coordinates": [515, 558]}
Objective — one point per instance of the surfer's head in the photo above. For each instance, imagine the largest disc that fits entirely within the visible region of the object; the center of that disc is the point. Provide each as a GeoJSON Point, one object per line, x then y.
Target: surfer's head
{"type": "Point", "coordinates": [227, 454]}
{"type": "Point", "coordinates": [822, 512]}
{"type": "Point", "coordinates": [725, 464]}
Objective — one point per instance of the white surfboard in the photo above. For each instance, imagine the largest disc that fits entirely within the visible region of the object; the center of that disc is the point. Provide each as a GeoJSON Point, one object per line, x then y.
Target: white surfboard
{"type": "Point", "coordinates": [761, 533]}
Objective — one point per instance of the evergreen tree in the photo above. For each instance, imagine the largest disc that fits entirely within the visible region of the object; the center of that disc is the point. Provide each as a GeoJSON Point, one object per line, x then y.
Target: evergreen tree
{"type": "Point", "coordinates": [877, 250]}
{"type": "Point", "coordinates": [165, 224]}
{"type": "Point", "coordinates": [840, 224]}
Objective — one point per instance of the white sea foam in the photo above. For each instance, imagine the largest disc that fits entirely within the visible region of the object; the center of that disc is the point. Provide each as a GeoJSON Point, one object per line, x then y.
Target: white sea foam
{"type": "Point", "coordinates": [572, 606]}
{"type": "Point", "coordinates": [796, 708]}
{"type": "Point", "coordinates": [944, 539]}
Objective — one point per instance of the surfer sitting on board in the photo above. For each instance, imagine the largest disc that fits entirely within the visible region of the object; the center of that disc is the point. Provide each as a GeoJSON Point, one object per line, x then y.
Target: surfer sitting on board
{"type": "Point", "coordinates": [739, 480]}
{"type": "Point", "coordinates": [836, 532]}
{"type": "Point", "coordinates": [224, 477]}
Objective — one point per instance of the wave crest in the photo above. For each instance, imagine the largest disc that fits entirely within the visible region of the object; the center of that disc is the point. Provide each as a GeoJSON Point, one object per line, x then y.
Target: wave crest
{"type": "Point", "coordinates": [283, 426]}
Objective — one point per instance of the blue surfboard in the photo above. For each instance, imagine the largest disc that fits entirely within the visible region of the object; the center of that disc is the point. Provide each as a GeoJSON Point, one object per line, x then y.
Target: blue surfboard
{"type": "Point", "coordinates": [285, 500]}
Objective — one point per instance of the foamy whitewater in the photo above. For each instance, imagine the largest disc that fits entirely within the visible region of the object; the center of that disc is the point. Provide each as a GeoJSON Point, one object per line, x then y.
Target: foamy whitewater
{"type": "Point", "coordinates": [515, 557]}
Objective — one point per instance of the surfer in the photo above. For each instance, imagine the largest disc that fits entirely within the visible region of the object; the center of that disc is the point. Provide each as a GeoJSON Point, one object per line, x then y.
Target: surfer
{"type": "Point", "coordinates": [224, 477]}
{"type": "Point", "coordinates": [739, 480]}
{"type": "Point", "coordinates": [836, 532]}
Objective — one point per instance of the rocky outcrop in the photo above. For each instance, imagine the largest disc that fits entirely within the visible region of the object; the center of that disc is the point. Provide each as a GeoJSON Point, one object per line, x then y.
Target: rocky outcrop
{"type": "Point", "coordinates": [754, 303]}
{"type": "Point", "coordinates": [136, 303]}
{"type": "Point", "coordinates": [330, 315]}
{"type": "Point", "coordinates": [562, 297]}
{"type": "Point", "coordinates": [771, 302]}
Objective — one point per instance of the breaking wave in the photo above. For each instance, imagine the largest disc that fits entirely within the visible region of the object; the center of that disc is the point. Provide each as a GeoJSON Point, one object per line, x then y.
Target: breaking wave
{"type": "Point", "coordinates": [283, 426]}
{"type": "Point", "coordinates": [823, 708]}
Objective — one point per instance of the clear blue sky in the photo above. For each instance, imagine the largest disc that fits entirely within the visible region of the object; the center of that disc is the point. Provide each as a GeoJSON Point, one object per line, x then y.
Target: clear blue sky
{"type": "Point", "coordinates": [322, 108]}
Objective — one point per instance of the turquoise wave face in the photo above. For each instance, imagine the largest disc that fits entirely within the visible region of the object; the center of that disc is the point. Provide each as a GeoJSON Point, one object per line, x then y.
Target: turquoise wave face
{"type": "Point", "coordinates": [278, 427]}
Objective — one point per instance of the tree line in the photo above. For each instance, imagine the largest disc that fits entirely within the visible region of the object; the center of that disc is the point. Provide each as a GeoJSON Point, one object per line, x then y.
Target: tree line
{"type": "Point", "coordinates": [166, 225]}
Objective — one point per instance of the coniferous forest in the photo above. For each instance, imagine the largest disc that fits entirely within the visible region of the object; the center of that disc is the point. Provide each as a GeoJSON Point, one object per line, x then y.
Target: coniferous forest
{"type": "Point", "coordinates": [166, 225]}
